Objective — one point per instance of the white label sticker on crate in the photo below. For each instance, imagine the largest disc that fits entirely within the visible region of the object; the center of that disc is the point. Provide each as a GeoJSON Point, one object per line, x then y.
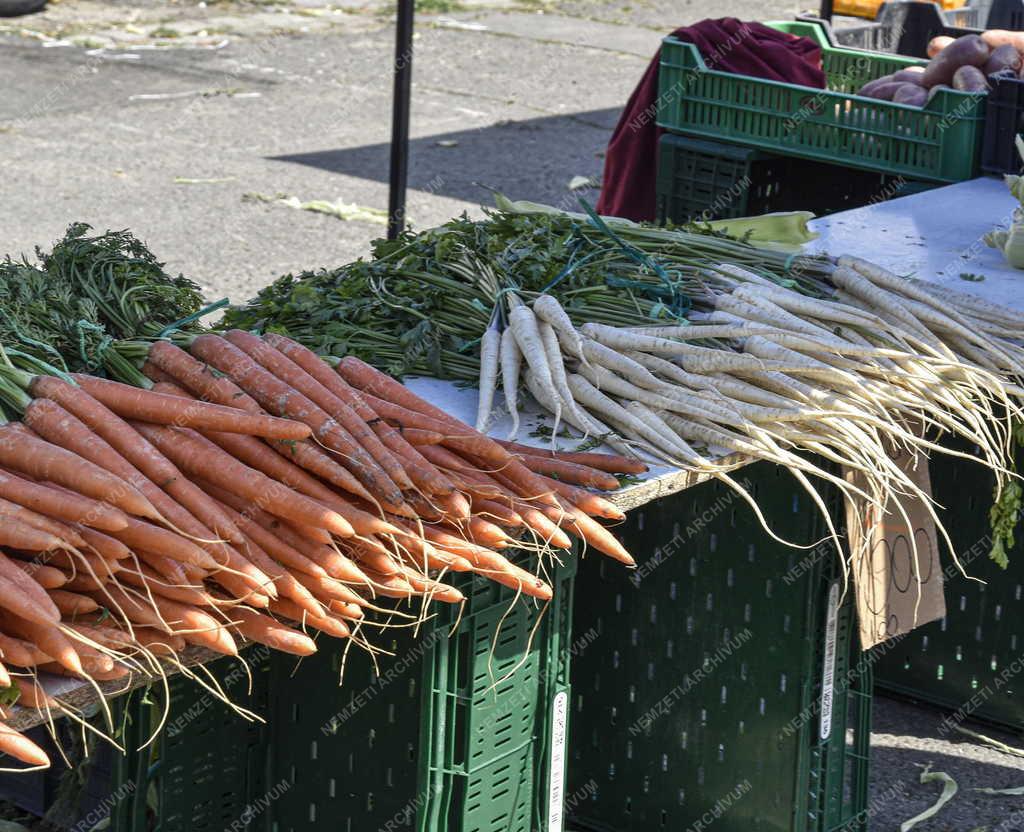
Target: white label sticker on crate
{"type": "Point", "coordinates": [556, 785]}
{"type": "Point", "coordinates": [828, 672]}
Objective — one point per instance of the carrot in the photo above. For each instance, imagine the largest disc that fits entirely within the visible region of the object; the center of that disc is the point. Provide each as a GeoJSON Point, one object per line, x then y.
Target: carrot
{"type": "Point", "coordinates": [104, 545]}
{"type": "Point", "coordinates": [456, 505]}
{"type": "Point", "coordinates": [328, 589]}
{"type": "Point", "coordinates": [23, 596]}
{"type": "Point", "coordinates": [436, 590]}
{"type": "Point", "coordinates": [13, 511]}
{"type": "Point", "coordinates": [494, 511]}
{"type": "Point", "coordinates": [285, 582]}
{"type": "Point", "coordinates": [32, 695]}
{"type": "Point", "coordinates": [373, 558]}
{"type": "Point", "coordinates": [30, 455]}
{"type": "Point", "coordinates": [128, 455]}
{"type": "Point", "coordinates": [81, 583]}
{"type": "Point", "coordinates": [156, 375]}
{"type": "Point", "coordinates": [612, 463]}
{"type": "Point", "coordinates": [166, 543]}
{"type": "Point", "coordinates": [46, 576]}
{"type": "Point", "coordinates": [194, 625]}
{"type": "Point", "coordinates": [353, 612]}
{"type": "Point", "coordinates": [593, 504]}
{"type": "Point", "coordinates": [280, 397]}
{"type": "Point", "coordinates": [543, 526]}
{"type": "Point", "coordinates": [198, 379]}
{"type": "Point", "coordinates": [280, 364]}
{"type": "Point", "coordinates": [257, 455]}
{"type": "Point", "coordinates": [570, 472]}
{"type": "Point", "coordinates": [71, 604]}
{"type": "Point", "coordinates": [149, 578]}
{"type": "Point", "coordinates": [327, 623]}
{"type": "Point", "coordinates": [47, 637]}
{"type": "Point", "coordinates": [148, 406]}
{"type": "Point", "coordinates": [424, 475]}
{"type": "Point", "coordinates": [67, 506]}
{"type": "Point", "coordinates": [490, 348]}
{"type": "Point", "coordinates": [486, 533]}
{"type": "Point", "coordinates": [193, 455]}
{"type": "Point", "coordinates": [20, 653]}
{"type": "Point", "coordinates": [84, 562]}
{"type": "Point", "coordinates": [169, 569]}
{"type": "Point", "coordinates": [265, 630]}
{"type": "Point", "coordinates": [21, 747]}
{"type": "Point", "coordinates": [417, 436]}
{"type": "Point", "coordinates": [281, 552]}
{"type": "Point", "coordinates": [596, 535]}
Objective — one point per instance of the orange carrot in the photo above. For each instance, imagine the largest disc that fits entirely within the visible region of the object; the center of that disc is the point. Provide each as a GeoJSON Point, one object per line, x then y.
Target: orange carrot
{"type": "Point", "coordinates": [104, 545]}
{"type": "Point", "coordinates": [21, 747]}
{"type": "Point", "coordinates": [495, 512]}
{"type": "Point", "coordinates": [148, 578]}
{"type": "Point", "coordinates": [72, 604]}
{"type": "Point", "coordinates": [32, 695]}
{"type": "Point", "coordinates": [190, 453]}
{"type": "Point", "coordinates": [416, 436]}
{"type": "Point", "coordinates": [146, 406]}
{"type": "Point", "coordinates": [596, 535]}
{"type": "Point", "coordinates": [265, 630]}
{"type": "Point", "coordinates": [13, 511]}
{"type": "Point", "coordinates": [27, 453]}
{"type": "Point", "coordinates": [593, 504]}
{"type": "Point", "coordinates": [327, 589]}
{"type": "Point", "coordinates": [611, 463]}
{"type": "Point", "coordinates": [276, 362]}
{"type": "Point", "coordinates": [543, 526]}
{"type": "Point", "coordinates": [327, 623]}
{"type": "Point", "coordinates": [282, 399]}
{"type": "Point", "coordinates": [570, 472]}
{"type": "Point", "coordinates": [332, 392]}
{"type": "Point", "coordinates": [23, 596]}
{"type": "Point", "coordinates": [65, 505]}
{"type": "Point", "coordinates": [163, 542]}
{"type": "Point", "coordinates": [46, 576]}
{"type": "Point", "coordinates": [21, 653]}
{"type": "Point", "coordinates": [47, 638]}
{"type": "Point", "coordinates": [436, 590]}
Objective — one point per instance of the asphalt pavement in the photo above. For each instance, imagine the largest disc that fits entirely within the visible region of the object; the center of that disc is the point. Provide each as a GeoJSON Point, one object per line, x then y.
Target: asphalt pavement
{"type": "Point", "coordinates": [193, 123]}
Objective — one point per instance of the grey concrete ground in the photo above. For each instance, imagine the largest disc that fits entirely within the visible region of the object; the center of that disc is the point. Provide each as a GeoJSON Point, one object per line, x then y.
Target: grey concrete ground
{"type": "Point", "coordinates": [167, 117]}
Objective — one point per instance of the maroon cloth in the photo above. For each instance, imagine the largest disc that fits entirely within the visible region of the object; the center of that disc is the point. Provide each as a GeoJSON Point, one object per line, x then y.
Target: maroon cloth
{"type": "Point", "coordinates": [726, 44]}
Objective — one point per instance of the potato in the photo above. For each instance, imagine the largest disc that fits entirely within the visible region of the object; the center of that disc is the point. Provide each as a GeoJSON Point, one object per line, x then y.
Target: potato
{"type": "Point", "coordinates": [872, 85]}
{"type": "Point", "coordinates": [969, 50]}
{"type": "Point", "coordinates": [935, 90]}
{"type": "Point", "coordinates": [911, 94]}
{"type": "Point", "coordinates": [910, 75]}
{"type": "Point", "coordinates": [883, 92]}
{"type": "Point", "coordinates": [1003, 57]}
{"type": "Point", "coordinates": [1000, 37]}
{"type": "Point", "coordinates": [937, 44]}
{"type": "Point", "coordinates": [970, 79]}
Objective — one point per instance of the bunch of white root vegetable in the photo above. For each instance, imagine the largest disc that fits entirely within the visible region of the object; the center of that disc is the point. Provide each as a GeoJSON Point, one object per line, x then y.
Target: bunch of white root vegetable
{"type": "Point", "coordinates": [879, 363]}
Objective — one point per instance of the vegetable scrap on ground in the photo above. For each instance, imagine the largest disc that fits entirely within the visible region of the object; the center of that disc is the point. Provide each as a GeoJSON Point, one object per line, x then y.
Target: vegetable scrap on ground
{"type": "Point", "coordinates": [223, 488]}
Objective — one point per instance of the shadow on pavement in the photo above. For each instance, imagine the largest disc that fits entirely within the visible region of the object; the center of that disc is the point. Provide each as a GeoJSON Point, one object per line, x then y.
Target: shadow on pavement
{"type": "Point", "coordinates": [523, 157]}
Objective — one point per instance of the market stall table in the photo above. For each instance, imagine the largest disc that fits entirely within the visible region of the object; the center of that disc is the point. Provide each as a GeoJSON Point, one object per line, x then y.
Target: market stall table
{"type": "Point", "coordinates": [929, 234]}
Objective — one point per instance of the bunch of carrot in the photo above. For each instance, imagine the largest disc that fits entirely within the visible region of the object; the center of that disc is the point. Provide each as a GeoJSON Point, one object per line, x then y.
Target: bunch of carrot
{"type": "Point", "coordinates": [254, 492]}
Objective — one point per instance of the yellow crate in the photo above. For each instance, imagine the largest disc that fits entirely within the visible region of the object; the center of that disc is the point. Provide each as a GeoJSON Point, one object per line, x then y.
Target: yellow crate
{"type": "Point", "coordinates": [869, 8]}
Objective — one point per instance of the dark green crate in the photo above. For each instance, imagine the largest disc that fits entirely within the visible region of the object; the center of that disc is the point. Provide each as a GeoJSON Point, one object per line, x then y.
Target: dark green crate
{"type": "Point", "coordinates": [700, 180]}
{"type": "Point", "coordinates": [455, 739]}
{"type": "Point", "coordinates": [939, 142]}
{"type": "Point", "coordinates": [453, 732]}
{"type": "Point", "coordinates": [971, 661]}
{"type": "Point", "coordinates": [729, 629]}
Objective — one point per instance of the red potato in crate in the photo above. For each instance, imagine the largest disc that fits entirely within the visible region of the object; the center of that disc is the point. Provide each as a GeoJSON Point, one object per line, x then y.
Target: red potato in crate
{"type": "Point", "coordinates": [910, 75]}
{"type": "Point", "coordinates": [883, 92]}
{"type": "Point", "coordinates": [1005, 57]}
{"type": "Point", "coordinates": [969, 50]}
{"type": "Point", "coordinates": [912, 94]}
{"type": "Point", "coordinates": [970, 79]}
{"type": "Point", "coordinates": [937, 44]}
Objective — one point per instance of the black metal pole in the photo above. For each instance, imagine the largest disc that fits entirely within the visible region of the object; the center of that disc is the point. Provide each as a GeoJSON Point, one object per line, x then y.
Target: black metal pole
{"type": "Point", "coordinates": [399, 174]}
{"type": "Point", "coordinates": [825, 12]}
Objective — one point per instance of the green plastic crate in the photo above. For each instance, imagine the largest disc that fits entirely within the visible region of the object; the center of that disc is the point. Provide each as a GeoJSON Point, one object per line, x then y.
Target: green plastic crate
{"type": "Point", "coordinates": [457, 738]}
{"type": "Point", "coordinates": [700, 180]}
{"type": "Point", "coordinates": [939, 142]}
{"type": "Point", "coordinates": [703, 694]}
{"type": "Point", "coordinates": [971, 662]}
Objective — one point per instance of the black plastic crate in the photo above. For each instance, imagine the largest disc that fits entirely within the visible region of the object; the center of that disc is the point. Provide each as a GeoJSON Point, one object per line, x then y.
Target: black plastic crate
{"type": "Point", "coordinates": [905, 27]}
{"type": "Point", "coordinates": [700, 180]}
{"type": "Point", "coordinates": [724, 679]}
{"type": "Point", "coordinates": [1004, 121]}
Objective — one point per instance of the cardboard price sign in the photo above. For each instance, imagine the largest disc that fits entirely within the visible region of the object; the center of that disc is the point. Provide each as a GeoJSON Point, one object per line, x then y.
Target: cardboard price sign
{"type": "Point", "coordinates": [895, 590]}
